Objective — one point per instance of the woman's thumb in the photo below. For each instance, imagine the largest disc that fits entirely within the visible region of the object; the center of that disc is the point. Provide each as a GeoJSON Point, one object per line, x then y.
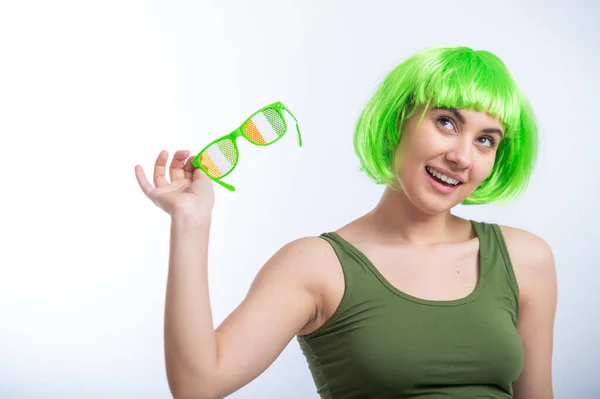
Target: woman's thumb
{"type": "Point", "coordinates": [199, 180]}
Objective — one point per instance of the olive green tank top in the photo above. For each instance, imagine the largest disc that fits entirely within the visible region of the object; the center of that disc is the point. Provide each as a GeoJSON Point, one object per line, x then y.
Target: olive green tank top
{"type": "Point", "coordinates": [383, 343]}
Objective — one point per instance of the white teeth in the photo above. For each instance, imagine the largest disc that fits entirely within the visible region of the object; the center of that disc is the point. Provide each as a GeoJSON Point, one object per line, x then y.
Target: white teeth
{"type": "Point", "coordinates": [443, 177]}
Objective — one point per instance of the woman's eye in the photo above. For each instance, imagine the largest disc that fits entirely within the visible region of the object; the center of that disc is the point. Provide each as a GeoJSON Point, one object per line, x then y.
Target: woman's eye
{"type": "Point", "coordinates": [446, 123]}
{"type": "Point", "coordinates": [486, 141]}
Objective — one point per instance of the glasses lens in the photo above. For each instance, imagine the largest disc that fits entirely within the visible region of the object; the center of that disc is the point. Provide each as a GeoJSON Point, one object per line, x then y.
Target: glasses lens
{"type": "Point", "coordinates": [219, 158]}
{"type": "Point", "coordinates": [265, 127]}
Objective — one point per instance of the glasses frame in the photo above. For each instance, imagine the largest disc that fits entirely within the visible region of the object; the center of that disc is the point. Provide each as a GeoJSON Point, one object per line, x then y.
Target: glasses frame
{"type": "Point", "coordinates": [278, 106]}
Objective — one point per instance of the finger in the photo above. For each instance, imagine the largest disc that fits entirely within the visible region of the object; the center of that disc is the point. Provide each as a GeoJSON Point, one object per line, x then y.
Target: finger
{"type": "Point", "coordinates": [176, 170]}
{"type": "Point", "coordinates": [159, 169]}
{"type": "Point", "coordinates": [142, 181]}
{"type": "Point", "coordinates": [188, 168]}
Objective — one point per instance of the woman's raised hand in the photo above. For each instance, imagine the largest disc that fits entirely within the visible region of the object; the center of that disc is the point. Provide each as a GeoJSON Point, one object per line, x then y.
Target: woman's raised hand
{"type": "Point", "coordinates": [190, 192]}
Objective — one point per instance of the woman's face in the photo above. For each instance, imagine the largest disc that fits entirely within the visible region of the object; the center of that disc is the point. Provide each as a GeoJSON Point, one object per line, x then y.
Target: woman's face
{"type": "Point", "coordinates": [444, 157]}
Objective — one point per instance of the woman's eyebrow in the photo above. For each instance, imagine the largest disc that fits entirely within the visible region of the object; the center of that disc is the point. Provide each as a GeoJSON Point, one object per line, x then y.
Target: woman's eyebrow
{"type": "Point", "coordinates": [461, 118]}
{"type": "Point", "coordinates": [454, 111]}
{"type": "Point", "coordinates": [493, 130]}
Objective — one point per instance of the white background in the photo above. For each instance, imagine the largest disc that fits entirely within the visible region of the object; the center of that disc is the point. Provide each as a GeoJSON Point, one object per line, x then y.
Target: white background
{"type": "Point", "coordinates": [89, 89]}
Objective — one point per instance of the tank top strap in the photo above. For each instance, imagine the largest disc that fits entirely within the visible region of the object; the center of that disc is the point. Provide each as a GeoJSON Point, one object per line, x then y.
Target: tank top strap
{"type": "Point", "coordinates": [351, 260]}
{"type": "Point", "coordinates": [496, 260]}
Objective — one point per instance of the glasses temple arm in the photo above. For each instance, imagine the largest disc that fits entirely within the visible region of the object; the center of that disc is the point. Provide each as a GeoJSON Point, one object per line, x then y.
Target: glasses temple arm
{"type": "Point", "coordinates": [297, 127]}
{"type": "Point", "coordinates": [222, 183]}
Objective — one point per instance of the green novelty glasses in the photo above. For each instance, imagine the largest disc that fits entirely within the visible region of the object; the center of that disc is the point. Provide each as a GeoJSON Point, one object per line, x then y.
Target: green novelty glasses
{"type": "Point", "coordinates": [220, 157]}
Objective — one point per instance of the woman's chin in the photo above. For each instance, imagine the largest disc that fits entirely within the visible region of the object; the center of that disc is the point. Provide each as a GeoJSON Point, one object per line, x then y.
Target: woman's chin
{"type": "Point", "coordinates": [435, 204]}
{"type": "Point", "coordinates": [428, 201]}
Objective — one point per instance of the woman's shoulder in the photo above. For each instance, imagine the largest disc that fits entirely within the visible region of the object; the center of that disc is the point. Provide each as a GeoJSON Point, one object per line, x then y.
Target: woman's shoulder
{"type": "Point", "coordinates": [525, 246]}
{"type": "Point", "coordinates": [305, 243]}
{"type": "Point", "coordinates": [307, 251]}
{"type": "Point", "coordinates": [316, 263]}
{"type": "Point", "coordinates": [309, 256]}
{"type": "Point", "coordinates": [531, 257]}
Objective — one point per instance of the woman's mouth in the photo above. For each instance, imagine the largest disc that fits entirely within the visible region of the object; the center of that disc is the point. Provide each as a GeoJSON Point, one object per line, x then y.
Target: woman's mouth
{"type": "Point", "coordinates": [442, 178]}
{"type": "Point", "coordinates": [442, 183]}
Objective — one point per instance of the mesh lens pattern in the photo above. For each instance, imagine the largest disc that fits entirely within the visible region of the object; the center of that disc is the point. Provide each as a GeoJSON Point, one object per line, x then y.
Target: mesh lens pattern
{"type": "Point", "coordinates": [265, 127]}
{"type": "Point", "coordinates": [219, 158]}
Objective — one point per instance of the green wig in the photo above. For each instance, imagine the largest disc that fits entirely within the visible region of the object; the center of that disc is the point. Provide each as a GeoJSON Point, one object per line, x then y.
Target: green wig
{"type": "Point", "coordinates": [455, 77]}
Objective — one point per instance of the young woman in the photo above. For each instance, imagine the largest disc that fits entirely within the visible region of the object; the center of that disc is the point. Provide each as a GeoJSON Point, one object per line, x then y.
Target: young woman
{"type": "Point", "coordinates": [407, 300]}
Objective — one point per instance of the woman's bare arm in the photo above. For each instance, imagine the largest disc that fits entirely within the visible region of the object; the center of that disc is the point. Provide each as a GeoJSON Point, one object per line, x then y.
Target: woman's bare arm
{"type": "Point", "coordinates": [204, 363]}
{"type": "Point", "coordinates": [534, 267]}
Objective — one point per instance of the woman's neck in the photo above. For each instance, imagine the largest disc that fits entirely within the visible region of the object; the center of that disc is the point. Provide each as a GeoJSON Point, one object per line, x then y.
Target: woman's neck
{"type": "Point", "coordinates": [398, 220]}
